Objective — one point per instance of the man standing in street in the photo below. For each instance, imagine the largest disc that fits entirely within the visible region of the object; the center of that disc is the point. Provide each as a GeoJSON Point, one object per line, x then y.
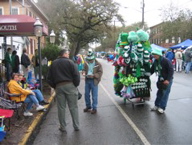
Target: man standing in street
{"type": "Point", "coordinates": [92, 72]}
{"type": "Point", "coordinates": [64, 77]}
{"type": "Point", "coordinates": [165, 71]}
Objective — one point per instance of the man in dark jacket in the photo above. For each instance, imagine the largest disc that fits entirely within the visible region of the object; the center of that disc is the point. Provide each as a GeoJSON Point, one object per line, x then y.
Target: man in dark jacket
{"type": "Point", "coordinates": [8, 62]}
{"type": "Point", "coordinates": [15, 62]}
{"type": "Point", "coordinates": [165, 71]}
{"type": "Point", "coordinates": [64, 77]}
{"type": "Point", "coordinates": [25, 62]}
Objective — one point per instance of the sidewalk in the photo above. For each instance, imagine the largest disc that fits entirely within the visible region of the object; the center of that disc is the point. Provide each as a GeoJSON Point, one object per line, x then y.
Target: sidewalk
{"type": "Point", "coordinates": [22, 129]}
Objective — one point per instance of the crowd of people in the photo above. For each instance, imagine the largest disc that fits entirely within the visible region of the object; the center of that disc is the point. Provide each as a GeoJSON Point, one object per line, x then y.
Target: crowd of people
{"type": "Point", "coordinates": [18, 80]}
{"type": "Point", "coordinates": [12, 63]}
{"type": "Point", "coordinates": [181, 59]}
{"type": "Point", "coordinates": [64, 77]}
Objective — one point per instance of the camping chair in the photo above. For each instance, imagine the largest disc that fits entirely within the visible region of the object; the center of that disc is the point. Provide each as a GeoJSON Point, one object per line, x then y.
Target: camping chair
{"type": "Point", "coordinates": [7, 103]}
{"type": "Point", "coordinates": [16, 105]}
{"type": "Point", "coordinates": [5, 114]}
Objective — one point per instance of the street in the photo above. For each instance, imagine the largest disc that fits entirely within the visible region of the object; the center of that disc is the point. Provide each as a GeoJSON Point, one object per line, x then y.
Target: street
{"type": "Point", "coordinates": [117, 123]}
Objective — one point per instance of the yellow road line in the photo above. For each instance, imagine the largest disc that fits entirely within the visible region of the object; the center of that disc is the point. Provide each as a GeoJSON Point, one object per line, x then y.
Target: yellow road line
{"type": "Point", "coordinates": [34, 123]}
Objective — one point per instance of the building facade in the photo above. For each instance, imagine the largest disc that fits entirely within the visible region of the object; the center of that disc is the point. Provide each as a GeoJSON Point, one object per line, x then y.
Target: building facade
{"type": "Point", "coordinates": [155, 37]}
{"type": "Point", "coordinates": [19, 11]}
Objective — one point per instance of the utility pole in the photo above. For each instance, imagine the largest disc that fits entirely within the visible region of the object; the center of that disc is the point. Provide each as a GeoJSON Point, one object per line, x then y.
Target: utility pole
{"type": "Point", "coordinates": [143, 11]}
{"type": "Point", "coordinates": [10, 11]}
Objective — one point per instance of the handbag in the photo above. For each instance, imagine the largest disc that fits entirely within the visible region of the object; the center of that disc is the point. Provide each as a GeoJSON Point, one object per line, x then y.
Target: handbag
{"type": "Point", "coordinates": [161, 85]}
{"type": "Point", "coordinates": [79, 95]}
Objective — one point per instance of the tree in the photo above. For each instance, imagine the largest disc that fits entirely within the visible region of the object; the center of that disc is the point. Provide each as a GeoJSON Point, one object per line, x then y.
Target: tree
{"type": "Point", "coordinates": [177, 23]}
{"type": "Point", "coordinates": [83, 20]}
{"type": "Point", "coordinates": [50, 52]}
{"type": "Point", "coordinates": [109, 39]}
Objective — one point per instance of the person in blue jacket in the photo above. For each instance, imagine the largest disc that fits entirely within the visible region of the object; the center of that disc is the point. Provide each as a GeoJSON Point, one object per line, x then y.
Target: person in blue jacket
{"type": "Point", "coordinates": [170, 55]}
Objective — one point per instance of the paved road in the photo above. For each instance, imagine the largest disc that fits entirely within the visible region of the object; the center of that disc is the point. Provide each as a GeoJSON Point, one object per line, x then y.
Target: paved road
{"type": "Point", "coordinates": [117, 123]}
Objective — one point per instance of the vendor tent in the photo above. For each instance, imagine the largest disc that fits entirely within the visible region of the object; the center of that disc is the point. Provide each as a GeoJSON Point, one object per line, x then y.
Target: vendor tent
{"type": "Point", "coordinates": [154, 46]}
{"type": "Point", "coordinates": [183, 44]}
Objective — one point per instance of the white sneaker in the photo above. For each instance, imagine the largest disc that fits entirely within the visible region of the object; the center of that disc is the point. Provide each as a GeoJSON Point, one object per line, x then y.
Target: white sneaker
{"type": "Point", "coordinates": [160, 110]}
{"type": "Point", "coordinates": [154, 108]}
{"type": "Point", "coordinates": [28, 114]}
{"type": "Point", "coordinates": [40, 108]}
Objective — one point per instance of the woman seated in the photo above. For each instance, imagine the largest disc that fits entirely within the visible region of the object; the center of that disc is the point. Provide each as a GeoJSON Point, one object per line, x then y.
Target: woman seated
{"type": "Point", "coordinates": [27, 96]}
{"type": "Point", "coordinates": [22, 82]}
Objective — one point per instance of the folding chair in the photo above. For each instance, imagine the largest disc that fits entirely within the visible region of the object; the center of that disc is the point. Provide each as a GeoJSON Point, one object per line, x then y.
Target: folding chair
{"type": "Point", "coordinates": [7, 114]}
{"type": "Point", "coordinates": [7, 103]}
{"type": "Point", "coordinates": [15, 105]}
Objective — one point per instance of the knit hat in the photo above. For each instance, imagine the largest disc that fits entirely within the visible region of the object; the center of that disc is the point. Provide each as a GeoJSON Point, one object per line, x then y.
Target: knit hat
{"type": "Point", "coordinates": [146, 56]}
{"type": "Point", "coordinates": [123, 39]}
{"type": "Point", "coordinates": [139, 48]}
{"type": "Point", "coordinates": [143, 36]}
{"type": "Point", "coordinates": [157, 52]}
{"type": "Point", "coordinates": [133, 37]}
{"type": "Point", "coordinates": [90, 55]}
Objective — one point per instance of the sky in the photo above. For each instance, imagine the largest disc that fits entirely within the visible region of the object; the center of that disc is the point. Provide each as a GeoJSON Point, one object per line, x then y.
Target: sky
{"type": "Point", "coordinates": [131, 10]}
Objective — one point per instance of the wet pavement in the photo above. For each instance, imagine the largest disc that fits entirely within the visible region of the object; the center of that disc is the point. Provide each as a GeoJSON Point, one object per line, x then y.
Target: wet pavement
{"type": "Point", "coordinates": [117, 123]}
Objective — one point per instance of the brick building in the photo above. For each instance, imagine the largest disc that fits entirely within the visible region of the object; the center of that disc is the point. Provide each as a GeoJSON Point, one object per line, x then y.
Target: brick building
{"type": "Point", "coordinates": [155, 36]}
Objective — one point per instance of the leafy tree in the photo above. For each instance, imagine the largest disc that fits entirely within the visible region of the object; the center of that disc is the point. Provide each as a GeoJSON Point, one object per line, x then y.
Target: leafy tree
{"type": "Point", "coordinates": [50, 51]}
{"type": "Point", "coordinates": [177, 23]}
{"type": "Point", "coordinates": [109, 39]}
{"type": "Point", "coordinates": [83, 20]}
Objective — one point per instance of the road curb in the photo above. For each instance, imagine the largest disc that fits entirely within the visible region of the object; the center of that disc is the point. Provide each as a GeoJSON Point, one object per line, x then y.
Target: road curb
{"type": "Point", "coordinates": [35, 123]}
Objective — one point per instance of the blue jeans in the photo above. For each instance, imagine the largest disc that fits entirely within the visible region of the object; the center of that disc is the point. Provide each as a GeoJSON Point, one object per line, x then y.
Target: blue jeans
{"type": "Point", "coordinates": [30, 100]}
{"type": "Point", "coordinates": [188, 67]}
{"type": "Point", "coordinates": [162, 96]}
{"type": "Point", "coordinates": [38, 94]}
{"type": "Point", "coordinates": [93, 89]}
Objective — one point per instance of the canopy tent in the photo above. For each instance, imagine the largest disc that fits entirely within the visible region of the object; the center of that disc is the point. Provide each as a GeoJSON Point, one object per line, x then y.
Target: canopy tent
{"type": "Point", "coordinates": [18, 25]}
{"type": "Point", "coordinates": [183, 44]}
{"type": "Point", "coordinates": [154, 46]}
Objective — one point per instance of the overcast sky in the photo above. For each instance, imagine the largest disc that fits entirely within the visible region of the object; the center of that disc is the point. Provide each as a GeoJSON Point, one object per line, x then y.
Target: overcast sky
{"type": "Point", "coordinates": [131, 10]}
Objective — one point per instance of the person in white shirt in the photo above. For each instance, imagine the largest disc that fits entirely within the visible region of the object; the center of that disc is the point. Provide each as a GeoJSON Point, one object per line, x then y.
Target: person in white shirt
{"type": "Point", "coordinates": [179, 60]}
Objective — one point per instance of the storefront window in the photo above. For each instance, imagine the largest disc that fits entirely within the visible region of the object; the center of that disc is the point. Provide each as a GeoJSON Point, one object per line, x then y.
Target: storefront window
{"type": "Point", "coordinates": [15, 11]}
{"type": "Point", "coordinates": [1, 11]}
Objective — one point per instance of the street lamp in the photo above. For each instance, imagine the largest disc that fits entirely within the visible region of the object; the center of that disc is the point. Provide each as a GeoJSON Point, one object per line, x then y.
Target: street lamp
{"type": "Point", "coordinates": [38, 28]}
{"type": "Point", "coordinates": [52, 37]}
